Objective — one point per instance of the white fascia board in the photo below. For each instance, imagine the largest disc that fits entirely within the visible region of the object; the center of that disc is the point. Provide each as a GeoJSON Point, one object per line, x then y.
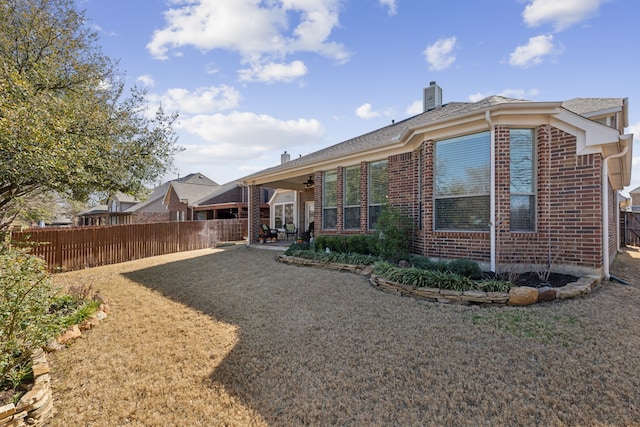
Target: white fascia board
{"type": "Point", "coordinates": [590, 136]}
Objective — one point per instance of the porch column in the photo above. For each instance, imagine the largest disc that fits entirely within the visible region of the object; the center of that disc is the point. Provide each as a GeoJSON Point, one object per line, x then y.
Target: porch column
{"type": "Point", "coordinates": [254, 214]}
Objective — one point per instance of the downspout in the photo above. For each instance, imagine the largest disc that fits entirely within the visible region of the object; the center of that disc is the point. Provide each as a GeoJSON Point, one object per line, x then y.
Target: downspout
{"type": "Point", "coordinates": [605, 204]}
{"type": "Point", "coordinates": [249, 216]}
{"type": "Point", "coordinates": [492, 197]}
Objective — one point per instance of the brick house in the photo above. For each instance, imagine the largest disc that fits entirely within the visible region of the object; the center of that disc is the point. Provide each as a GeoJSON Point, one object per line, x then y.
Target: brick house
{"type": "Point", "coordinates": [505, 182]}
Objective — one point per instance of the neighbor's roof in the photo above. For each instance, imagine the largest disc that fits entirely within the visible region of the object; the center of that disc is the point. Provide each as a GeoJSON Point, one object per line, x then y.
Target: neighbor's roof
{"type": "Point", "coordinates": [635, 191]}
{"type": "Point", "coordinates": [160, 191]}
{"type": "Point", "coordinates": [219, 191]}
{"type": "Point", "coordinates": [191, 192]}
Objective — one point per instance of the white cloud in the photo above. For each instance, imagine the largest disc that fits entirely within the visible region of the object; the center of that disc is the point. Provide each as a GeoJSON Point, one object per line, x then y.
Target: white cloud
{"type": "Point", "coordinates": [560, 13]}
{"type": "Point", "coordinates": [146, 80]}
{"type": "Point", "coordinates": [508, 93]}
{"type": "Point", "coordinates": [391, 4]}
{"type": "Point", "coordinates": [365, 111]}
{"type": "Point", "coordinates": [202, 100]}
{"type": "Point", "coordinates": [439, 55]}
{"type": "Point", "coordinates": [416, 107]}
{"type": "Point", "coordinates": [272, 72]}
{"type": "Point", "coordinates": [533, 52]}
{"type": "Point", "coordinates": [239, 136]}
{"type": "Point", "coordinates": [261, 32]}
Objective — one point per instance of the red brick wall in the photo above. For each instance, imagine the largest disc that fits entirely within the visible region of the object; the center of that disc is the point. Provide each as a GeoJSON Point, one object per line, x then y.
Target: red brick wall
{"type": "Point", "coordinates": [568, 206]}
{"type": "Point", "coordinates": [150, 217]}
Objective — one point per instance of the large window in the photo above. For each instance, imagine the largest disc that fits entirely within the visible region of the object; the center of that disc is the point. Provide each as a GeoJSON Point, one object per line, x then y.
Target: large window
{"type": "Point", "coordinates": [523, 204]}
{"type": "Point", "coordinates": [351, 206]}
{"type": "Point", "coordinates": [463, 183]}
{"type": "Point", "coordinates": [378, 187]}
{"type": "Point", "coordinates": [330, 200]}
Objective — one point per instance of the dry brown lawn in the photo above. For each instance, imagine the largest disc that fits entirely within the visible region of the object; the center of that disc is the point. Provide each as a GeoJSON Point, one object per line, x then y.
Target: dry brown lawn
{"type": "Point", "coordinates": [232, 337]}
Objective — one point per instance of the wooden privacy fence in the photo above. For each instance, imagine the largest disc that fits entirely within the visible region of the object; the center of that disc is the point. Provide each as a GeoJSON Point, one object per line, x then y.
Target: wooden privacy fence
{"type": "Point", "coordinates": [79, 247]}
{"type": "Point", "coordinates": [630, 228]}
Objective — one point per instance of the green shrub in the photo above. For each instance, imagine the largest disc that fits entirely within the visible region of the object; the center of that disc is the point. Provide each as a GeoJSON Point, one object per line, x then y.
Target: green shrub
{"type": "Point", "coordinates": [422, 262]}
{"type": "Point", "coordinates": [393, 227]}
{"type": "Point", "coordinates": [365, 244]}
{"type": "Point", "coordinates": [420, 277]}
{"type": "Point", "coordinates": [335, 257]}
{"type": "Point", "coordinates": [465, 267]}
{"type": "Point", "coordinates": [26, 293]}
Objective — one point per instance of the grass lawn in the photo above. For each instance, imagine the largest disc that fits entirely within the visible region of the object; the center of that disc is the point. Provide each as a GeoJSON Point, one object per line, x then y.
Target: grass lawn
{"type": "Point", "coordinates": [232, 337]}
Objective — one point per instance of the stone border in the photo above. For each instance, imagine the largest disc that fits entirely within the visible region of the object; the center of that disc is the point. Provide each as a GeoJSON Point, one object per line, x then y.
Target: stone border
{"type": "Point", "coordinates": [36, 406]}
{"type": "Point", "coordinates": [517, 296]}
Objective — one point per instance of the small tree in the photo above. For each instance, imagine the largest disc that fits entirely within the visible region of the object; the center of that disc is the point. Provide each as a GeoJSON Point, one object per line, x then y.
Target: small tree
{"type": "Point", "coordinates": [26, 293]}
{"type": "Point", "coordinates": [393, 227]}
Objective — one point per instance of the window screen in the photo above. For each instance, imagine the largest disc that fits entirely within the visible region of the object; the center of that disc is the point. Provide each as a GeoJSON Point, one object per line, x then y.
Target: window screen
{"type": "Point", "coordinates": [462, 183]}
{"type": "Point", "coordinates": [330, 200]}
{"type": "Point", "coordinates": [378, 185]}
{"type": "Point", "coordinates": [521, 175]}
{"type": "Point", "coordinates": [352, 197]}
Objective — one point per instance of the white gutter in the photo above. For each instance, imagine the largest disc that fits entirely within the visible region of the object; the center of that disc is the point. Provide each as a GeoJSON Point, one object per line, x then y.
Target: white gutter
{"type": "Point", "coordinates": [492, 197]}
{"type": "Point", "coordinates": [605, 203]}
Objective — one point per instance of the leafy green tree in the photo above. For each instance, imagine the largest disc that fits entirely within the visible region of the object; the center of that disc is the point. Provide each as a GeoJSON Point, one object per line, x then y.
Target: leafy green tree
{"type": "Point", "coordinates": [66, 124]}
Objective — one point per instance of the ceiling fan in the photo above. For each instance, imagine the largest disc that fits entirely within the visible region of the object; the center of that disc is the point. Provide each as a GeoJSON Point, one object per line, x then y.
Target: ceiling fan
{"type": "Point", "coordinates": [309, 183]}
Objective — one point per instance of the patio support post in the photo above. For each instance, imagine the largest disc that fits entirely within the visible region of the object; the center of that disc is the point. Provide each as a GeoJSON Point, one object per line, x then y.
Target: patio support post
{"type": "Point", "coordinates": [254, 214]}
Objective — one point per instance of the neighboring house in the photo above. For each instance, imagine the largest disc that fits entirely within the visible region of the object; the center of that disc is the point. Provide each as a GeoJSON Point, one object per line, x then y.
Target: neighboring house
{"type": "Point", "coordinates": [635, 199]}
{"type": "Point", "coordinates": [96, 215]}
{"type": "Point", "coordinates": [124, 209]}
{"type": "Point", "coordinates": [502, 181]}
{"type": "Point", "coordinates": [229, 201]}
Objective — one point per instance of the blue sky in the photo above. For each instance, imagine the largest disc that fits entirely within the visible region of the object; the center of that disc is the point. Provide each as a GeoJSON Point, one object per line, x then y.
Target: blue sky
{"type": "Point", "coordinates": [251, 79]}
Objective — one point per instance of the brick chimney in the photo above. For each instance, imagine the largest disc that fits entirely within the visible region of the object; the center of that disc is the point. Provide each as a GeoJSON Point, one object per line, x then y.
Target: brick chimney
{"type": "Point", "coordinates": [432, 97]}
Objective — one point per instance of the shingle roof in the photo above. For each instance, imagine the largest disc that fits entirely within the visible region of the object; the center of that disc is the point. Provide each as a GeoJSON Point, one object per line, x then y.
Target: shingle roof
{"type": "Point", "coordinates": [218, 191]}
{"type": "Point", "coordinates": [584, 106]}
{"type": "Point", "coordinates": [387, 134]}
{"type": "Point", "coordinates": [159, 191]}
{"type": "Point", "coordinates": [192, 192]}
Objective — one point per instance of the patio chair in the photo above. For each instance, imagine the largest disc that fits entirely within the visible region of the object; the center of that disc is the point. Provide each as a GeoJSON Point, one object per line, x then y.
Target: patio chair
{"type": "Point", "coordinates": [269, 233]}
{"type": "Point", "coordinates": [290, 230]}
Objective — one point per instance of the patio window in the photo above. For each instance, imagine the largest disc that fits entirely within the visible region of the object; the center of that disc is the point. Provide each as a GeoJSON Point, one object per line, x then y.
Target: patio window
{"type": "Point", "coordinates": [283, 214]}
{"type": "Point", "coordinates": [351, 198]}
{"type": "Point", "coordinates": [462, 183]}
{"type": "Point", "coordinates": [330, 200]}
{"type": "Point", "coordinates": [378, 187]}
{"type": "Point", "coordinates": [523, 204]}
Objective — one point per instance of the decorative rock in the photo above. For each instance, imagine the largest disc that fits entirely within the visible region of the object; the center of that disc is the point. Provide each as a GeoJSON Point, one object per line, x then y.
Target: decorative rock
{"type": "Point", "coordinates": [101, 315]}
{"type": "Point", "coordinates": [89, 323]}
{"type": "Point", "coordinates": [498, 297]}
{"type": "Point", "coordinates": [570, 290]}
{"type": "Point", "coordinates": [105, 307]}
{"type": "Point", "coordinates": [523, 295]}
{"type": "Point", "coordinates": [546, 293]}
{"type": "Point", "coordinates": [70, 334]}
{"type": "Point", "coordinates": [404, 264]}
